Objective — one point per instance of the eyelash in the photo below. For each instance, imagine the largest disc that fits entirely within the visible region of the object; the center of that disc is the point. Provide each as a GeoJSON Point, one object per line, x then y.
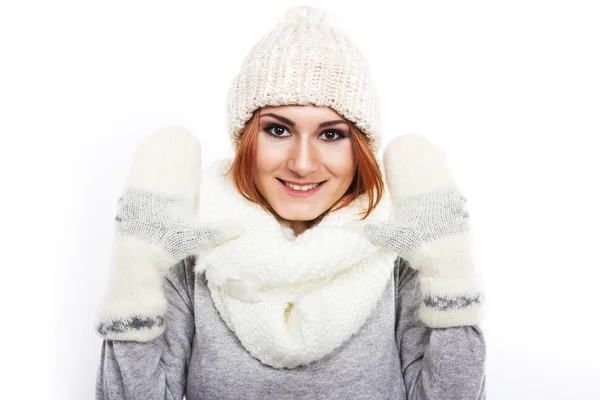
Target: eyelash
{"type": "Point", "coordinates": [341, 135]}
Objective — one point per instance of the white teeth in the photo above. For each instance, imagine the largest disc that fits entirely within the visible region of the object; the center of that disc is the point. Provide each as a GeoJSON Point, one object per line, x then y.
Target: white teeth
{"type": "Point", "coordinates": [301, 188]}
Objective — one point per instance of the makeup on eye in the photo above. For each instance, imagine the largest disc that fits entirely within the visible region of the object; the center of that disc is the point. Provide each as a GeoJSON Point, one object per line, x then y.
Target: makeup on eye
{"type": "Point", "coordinates": [340, 134]}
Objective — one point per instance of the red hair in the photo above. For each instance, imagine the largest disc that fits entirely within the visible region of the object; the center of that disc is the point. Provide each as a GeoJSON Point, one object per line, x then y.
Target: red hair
{"type": "Point", "coordinates": [367, 179]}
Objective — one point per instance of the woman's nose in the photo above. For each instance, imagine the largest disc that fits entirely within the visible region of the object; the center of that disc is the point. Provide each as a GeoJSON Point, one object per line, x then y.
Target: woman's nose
{"type": "Point", "coordinates": [303, 158]}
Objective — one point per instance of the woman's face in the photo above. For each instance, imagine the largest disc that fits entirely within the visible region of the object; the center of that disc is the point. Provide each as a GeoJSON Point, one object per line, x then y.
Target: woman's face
{"type": "Point", "coordinates": [301, 146]}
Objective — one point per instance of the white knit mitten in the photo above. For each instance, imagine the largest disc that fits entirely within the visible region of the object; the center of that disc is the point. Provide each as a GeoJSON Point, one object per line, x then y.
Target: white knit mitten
{"type": "Point", "coordinates": [155, 229]}
{"type": "Point", "coordinates": [429, 228]}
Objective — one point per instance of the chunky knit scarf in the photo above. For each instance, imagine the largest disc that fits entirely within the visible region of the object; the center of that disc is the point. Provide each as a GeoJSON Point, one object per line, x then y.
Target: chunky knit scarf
{"type": "Point", "coordinates": [289, 299]}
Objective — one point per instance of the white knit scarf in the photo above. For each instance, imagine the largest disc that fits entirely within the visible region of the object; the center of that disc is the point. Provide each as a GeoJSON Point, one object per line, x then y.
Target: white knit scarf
{"type": "Point", "coordinates": [290, 300]}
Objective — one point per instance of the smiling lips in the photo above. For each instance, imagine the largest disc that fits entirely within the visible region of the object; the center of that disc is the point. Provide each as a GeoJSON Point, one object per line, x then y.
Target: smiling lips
{"type": "Point", "coordinates": [300, 190]}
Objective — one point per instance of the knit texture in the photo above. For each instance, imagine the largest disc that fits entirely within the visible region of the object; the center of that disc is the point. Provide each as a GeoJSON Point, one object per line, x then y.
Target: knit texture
{"type": "Point", "coordinates": [393, 356]}
{"type": "Point", "coordinates": [430, 229]}
{"type": "Point", "coordinates": [305, 60]}
{"type": "Point", "coordinates": [291, 299]}
{"type": "Point", "coordinates": [155, 228]}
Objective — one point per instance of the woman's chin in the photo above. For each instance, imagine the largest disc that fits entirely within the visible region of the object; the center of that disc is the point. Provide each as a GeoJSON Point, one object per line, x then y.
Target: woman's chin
{"type": "Point", "coordinates": [299, 215]}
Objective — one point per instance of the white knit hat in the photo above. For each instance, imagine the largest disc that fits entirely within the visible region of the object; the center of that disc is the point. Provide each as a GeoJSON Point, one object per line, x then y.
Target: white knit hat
{"type": "Point", "coordinates": [305, 60]}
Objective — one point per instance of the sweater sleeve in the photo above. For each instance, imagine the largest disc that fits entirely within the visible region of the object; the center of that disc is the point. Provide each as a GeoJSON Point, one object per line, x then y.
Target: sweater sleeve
{"type": "Point", "coordinates": [436, 363]}
{"type": "Point", "coordinates": [156, 369]}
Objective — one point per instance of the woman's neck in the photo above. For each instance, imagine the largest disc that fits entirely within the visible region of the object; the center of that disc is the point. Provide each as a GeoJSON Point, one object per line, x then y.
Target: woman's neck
{"type": "Point", "coordinates": [299, 226]}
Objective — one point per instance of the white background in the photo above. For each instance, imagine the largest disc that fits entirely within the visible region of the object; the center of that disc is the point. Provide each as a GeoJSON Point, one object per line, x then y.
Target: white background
{"type": "Point", "coordinates": [509, 89]}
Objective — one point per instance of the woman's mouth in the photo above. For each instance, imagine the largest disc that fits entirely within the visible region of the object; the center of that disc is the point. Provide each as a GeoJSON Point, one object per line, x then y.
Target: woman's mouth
{"type": "Point", "coordinates": [300, 190]}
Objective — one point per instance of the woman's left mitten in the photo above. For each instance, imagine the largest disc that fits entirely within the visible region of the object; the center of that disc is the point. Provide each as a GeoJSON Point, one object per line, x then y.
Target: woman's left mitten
{"type": "Point", "coordinates": [429, 228]}
{"type": "Point", "coordinates": [155, 229]}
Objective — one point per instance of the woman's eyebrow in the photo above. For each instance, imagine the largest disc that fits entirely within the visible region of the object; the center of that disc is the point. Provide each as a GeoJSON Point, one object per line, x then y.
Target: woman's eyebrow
{"type": "Point", "coordinates": [287, 121]}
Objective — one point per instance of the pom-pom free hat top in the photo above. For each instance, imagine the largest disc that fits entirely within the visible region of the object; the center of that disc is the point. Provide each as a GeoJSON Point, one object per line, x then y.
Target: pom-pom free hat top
{"type": "Point", "coordinates": [305, 60]}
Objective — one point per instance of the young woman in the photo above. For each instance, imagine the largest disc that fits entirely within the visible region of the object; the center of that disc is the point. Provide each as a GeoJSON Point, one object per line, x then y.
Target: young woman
{"type": "Point", "coordinates": [292, 271]}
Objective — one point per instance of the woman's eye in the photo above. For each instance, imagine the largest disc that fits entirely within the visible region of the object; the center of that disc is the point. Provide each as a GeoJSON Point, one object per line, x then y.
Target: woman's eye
{"type": "Point", "coordinates": [332, 136]}
{"type": "Point", "coordinates": [279, 131]}
{"type": "Point", "coordinates": [275, 130]}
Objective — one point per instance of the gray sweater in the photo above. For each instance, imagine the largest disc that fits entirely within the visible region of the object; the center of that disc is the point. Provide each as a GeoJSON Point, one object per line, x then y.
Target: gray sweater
{"type": "Point", "coordinates": [393, 356]}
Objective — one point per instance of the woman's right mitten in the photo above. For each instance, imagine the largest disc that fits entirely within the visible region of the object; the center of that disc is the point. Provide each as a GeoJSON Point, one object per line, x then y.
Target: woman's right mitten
{"type": "Point", "coordinates": [156, 228]}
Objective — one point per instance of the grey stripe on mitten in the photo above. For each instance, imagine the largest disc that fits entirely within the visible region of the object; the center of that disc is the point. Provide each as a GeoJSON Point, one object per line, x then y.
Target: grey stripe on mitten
{"type": "Point", "coordinates": [155, 229]}
{"type": "Point", "coordinates": [430, 229]}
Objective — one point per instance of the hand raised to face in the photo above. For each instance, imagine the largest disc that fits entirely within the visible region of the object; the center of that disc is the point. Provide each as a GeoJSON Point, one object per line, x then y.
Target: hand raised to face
{"type": "Point", "coordinates": [427, 205]}
{"type": "Point", "coordinates": [159, 204]}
